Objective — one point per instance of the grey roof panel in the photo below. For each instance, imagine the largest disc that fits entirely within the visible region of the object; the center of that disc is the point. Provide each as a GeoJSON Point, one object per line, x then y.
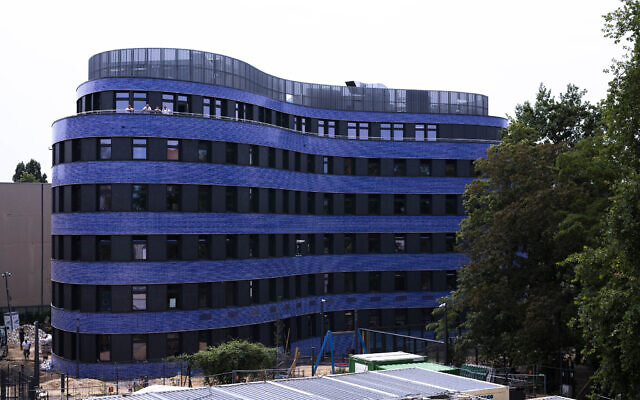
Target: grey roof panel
{"type": "Point", "coordinates": [331, 389]}
{"type": "Point", "coordinates": [439, 379]}
{"type": "Point", "coordinates": [389, 384]}
{"type": "Point", "coordinates": [266, 391]}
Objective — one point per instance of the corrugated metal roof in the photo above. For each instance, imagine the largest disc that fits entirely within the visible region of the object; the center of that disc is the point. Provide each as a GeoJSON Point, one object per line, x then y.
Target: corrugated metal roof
{"type": "Point", "coordinates": [439, 379]}
{"type": "Point", "coordinates": [388, 384]}
{"type": "Point", "coordinates": [424, 365]}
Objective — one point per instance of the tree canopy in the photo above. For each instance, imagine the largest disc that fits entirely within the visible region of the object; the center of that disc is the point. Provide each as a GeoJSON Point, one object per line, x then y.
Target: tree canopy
{"type": "Point", "coordinates": [31, 172]}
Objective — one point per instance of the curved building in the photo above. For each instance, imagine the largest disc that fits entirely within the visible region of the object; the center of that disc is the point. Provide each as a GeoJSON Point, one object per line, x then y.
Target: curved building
{"type": "Point", "coordinates": [246, 205]}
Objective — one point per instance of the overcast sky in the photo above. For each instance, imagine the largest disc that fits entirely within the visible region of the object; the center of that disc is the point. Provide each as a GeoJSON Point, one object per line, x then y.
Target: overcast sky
{"type": "Point", "coordinates": [503, 49]}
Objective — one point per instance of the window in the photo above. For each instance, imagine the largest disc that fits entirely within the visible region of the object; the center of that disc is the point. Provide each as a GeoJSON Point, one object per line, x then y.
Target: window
{"type": "Point", "coordinates": [285, 202]}
{"type": "Point", "coordinates": [204, 198]}
{"type": "Point", "coordinates": [173, 297]}
{"type": "Point", "coordinates": [173, 344]}
{"type": "Point", "coordinates": [451, 204]}
{"type": "Point", "coordinates": [398, 131]}
{"type": "Point", "coordinates": [375, 318]}
{"type": "Point", "coordinates": [301, 246]}
{"type": "Point", "coordinates": [327, 164]}
{"type": "Point", "coordinates": [203, 340]}
{"type": "Point", "coordinates": [231, 199]}
{"type": "Point", "coordinates": [374, 204]}
{"type": "Point", "coordinates": [373, 167]}
{"type": "Point", "coordinates": [450, 168]}
{"type": "Point", "coordinates": [272, 201]}
{"type": "Point", "coordinates": [139, 248]}
{"type": "Point", "coordinates": [425, 243]}
{"type": "Point", "coordinates": [450, 242]}
{"type": "Point", "coordinates": [139, 347]}
{"type": "Point", "coordinates": [385, 131]}
{"type": "Point", "coordinates": [349, 282]}
{"type": "Point", "coordinates": [399, 243]}
{"type": "Point", "coordinates": [204, 295]}
{"type": "Point", "coordinates": [425, 204]}
{"type": "Point", "coordinates": [425, 280]}
{"type": "Point", "coordinates": [122, 101]}
{"type": "Point", "coordinates": [271, 157]}
{"type": "Point", "coordinates": [232, 153]}
{"type": "Point", "coordinates": [103, 298]}
{"type": "Point", "coordinates": [173, 197]}
{"type": "Point", "coordinates": [352, 130]}
{"type": "Point", "coordinates": [374, 243]}
{"type": "Point", "coordinates": [104, 197]}
{"type": "Point", "coordinates": [206, 107]}
{"type": "Point", "coordinates": [400, 280]}
{"type": "Point", "coordinates": [285, 159]}
{"type": "Point", "coordinates": [272, 245]}
{"type": "Point", "coordinates": [167, 103]}
{"type": "Point", "coordinates": [349, 166]}
{"type": "Point", "coordinates": [254, 246]}
{"type": "Point", "coordinates": [419, 136]}
{"type": "Point", "coordinates": [327, 203]}
{"type": "Point", "coordinates": [452, 280]}
{"type": "Point", "coordinates": [401, 317]}
{"type": "Point", "coordinates": [311, 163]}
{"type": "Point", "coordinates": [139, 101]}
{"type": "Point", "coordinates": [173, 150]}
{"type": "Point", "coordinates": [139, 298]}
{"type": "Point", "coordinates": [254, 155]}
{"type": "Point", "coordinates": [349, 243]}
{"type": "Point", "coordinates": [432, 133]}
{"type": "Point", "coordinates": [104, 149]}
{"type": "Point", "coordinates": [399, 204]}
{"type": "Point", "coordinates": [231, 245]}
{"type": "Point", "coordinates": [254, 199]}
{"type": "Point", "coordinates": [104, 347]}
{"type": "Point", "coordinates": [327, 241]}
{"type": "Point", "coordinates": [349, 203]}
{"type": "Point", "coordinates": [254, 291]}
{"type": "Point", "coordinates": [321, 127]}
{"type": "Point", "coordinates": [311, 202]}
{"type": "Point", "coordinates": [363, 130]}
{"type": "Point", "coordinates": [75, 198]}
{"type": "Point", "coordinates": [139, 149]}
{"type": "Point", "coordinates": [375, 281]}
{"type": "Point", "coordinates": [399, 167]}
{"type": "Point", "coordinates": [331, 128]}
{"type": "Point", "coordinates": [297, 162]}
{"type": "Point", "coordinates": [203, 247]}
{"type": "Point", "coordinates": [104, 248]}
{"type": "Point", "coordinates": [218, 108]}
{"type": "Point", "coordinates": [182, 104]}
{"type": "Point", "coordinates": [424, 169]}
{"type": "Point", "coordinates": [173, 247]}
{"type": "Point", "coordinates": [204, 152]}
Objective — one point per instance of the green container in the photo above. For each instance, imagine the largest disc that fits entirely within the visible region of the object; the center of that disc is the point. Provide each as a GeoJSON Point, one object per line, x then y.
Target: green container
{"type": "Point", "coordinates": [424, 365]}
{"type": "Point", "coordinates": [374, 361]}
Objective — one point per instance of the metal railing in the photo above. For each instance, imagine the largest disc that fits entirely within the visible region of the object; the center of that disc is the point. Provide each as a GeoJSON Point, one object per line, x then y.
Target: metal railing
{"type": "Point", "coordinates": [254, 122]}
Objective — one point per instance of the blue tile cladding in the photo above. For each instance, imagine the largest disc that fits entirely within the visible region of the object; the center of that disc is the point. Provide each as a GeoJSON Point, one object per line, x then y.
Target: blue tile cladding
{"type": "Point", "coordinates": [150, 223]}
{"type": "Point", "coordinates": [235, 175]}
{"type": "Point", "coordinates": [123, 273]}
{"type": "Point", "coordinates": [146, 84]}
{"type": "Point", "coordinates": [177, 321]}
{"type": "Point", "coordinates": [113, 371]}
{"type": "Point", "coordinates": [150, 125]}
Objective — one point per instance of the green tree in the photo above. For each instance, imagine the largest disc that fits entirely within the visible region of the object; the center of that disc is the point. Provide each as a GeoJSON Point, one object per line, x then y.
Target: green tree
{"type": "Point", "coordinates": [608, 272]}
{"type": "Point", "coordinates": [30, 172]}
{"type": "Point", "coordinates": [229, 356]}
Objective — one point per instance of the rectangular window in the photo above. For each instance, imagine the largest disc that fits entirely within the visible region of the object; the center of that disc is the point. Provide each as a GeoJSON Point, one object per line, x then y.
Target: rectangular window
{"type": "Point", "coordinates": [373, 167]}
{"type": "Point", "coordinates": [139, 198]}
{"type": "Point", "coordinates": [399, 204]}
{"type": "Point", "coordinates": [285, 159]}
{"type": "Point", "coordinates": [385, 131]}
{"type": "Point", "coordinates": [349, 166]}
{"type": "Point", "coordinates": [331, 128]}
{"type": "Point", "coordinates": [254, 244]}
{"type": "Point", "coordinates": [139, 248]}
{"type": "Point", "coordinates": [173, 150]}
{"type": "Point", "coordinates": [173, 247]}
{"type": "Point", "coordinates": [204, 198]}
{"type": "Point", "coordinates": [104, 197]}
{"type": "Point", "coordinates": [231, 244]}
{"type": "Point", "coordinates": [450, 242]}
{"type": "Point", "coordinates": [450, 168]}
{"type": "Point", "coordinates": [103, 298]}
{"type": "Point", "coordinates": [218, 108]}
{"type": "Point", "coordinates": [400, 280]}
{"type": "Point", "coordinates": [327, 203]}
{"type": "Point", "coordinates": [326, 164]}
{"type": "Point", "coordinates": [349, 282]}
{"type": "Point", "coordinates": [139, 347]}
{"type": "Point", "coordinates": [451, 204]}
{"type": "Point", "coordinates": [173, 297]}
{"type": "Point", "coordinates": [272, 245]}
{"type": "Point", "coordinates": [272, 157]}
{"type": "Point", "coordinates": [399, 167]}
{"type": "Point", "coordinates": [399, 242]}
{"type": "Point", "coordinates": [419, 132]}
{"type": "Point", "coordinates": [321, 127]}
{"type": "Point", "coordinates": [103, 244]}
{"type": "Point", "coordinates": [231, 199]}
{"type": "Point", "coordinates": [139, 298]}
{"type": "Point", "coordinates": [204, 152]}
{"type": "Point", "coordinates": [301, 246]}
{"type": "Point", "coordinates": [75, 198]}
{"type": "Point", "coordinates": [206, 107]}
{"type": "Point", "coordinates": [104, 150]}
{"type": "Point", "coordinates": [311, 203]}
{"type": "Point", "coordinates": [139, 101]}
{"type": "Point", "coordinates": [349, 243]}
{"type": "Point", "coordinates": [425, 243]}
{"type": "Point", "coordinates": [432, 133]}
{"type": "Point", "coordinates": [425, 204]}
{"type": "Point", "coordinates": [254, 155]}
{"type": "Point", "coordinates": [425, 280]}
{"type": "Point", "coordinates": [232, 153]}
{"type": "Point", "coordinates": [75, 150]}
{"type": "Point", "coordinates": [122, 101]}
{"type": "Point", "coordinates": [327, 242]}
{"type": "Point", "coordinates": [173, 344]}
{"type": "Point", "coordinates": [139, 148]}
{"type": "Point", "coordinates": [398, 131]}
{"type": "Point", "coordinates": [350, 204]}
{"type": "Point", "coordinates": [363, 130]}
{"type": "Point", "coordinates": [424, 169]}
{"type": "Point", "coordinates": [104, 347]}
{"type": "Point", "coordinates": [272, 201]}
{"type": "Point", "coordinates": [374, 243]}
{"type": "Point", "coordinates": [204, 295]}
{"type": "Point", "coordinates": [173, 198]}
{"type": "Point", "coordinates": [311, 163]}
{"type": "Point", "coordinates": [375, 281]}
{"type": "Point", "coordinates": [204, 247]}
{"type": "Point", "coordinates": [452, 280]}
{"type": "Point", "coordinates": [374, 204]}
{"type": "Point", "coordinates": [254, 199]}
{"type": "Point", "coordinates": [204, 340]}
{"type": "Point", "coordinates": [352, 130]}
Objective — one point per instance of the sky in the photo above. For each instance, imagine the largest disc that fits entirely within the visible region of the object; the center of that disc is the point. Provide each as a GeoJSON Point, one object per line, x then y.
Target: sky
{"type": "Point", "coordinates": [502, 49]}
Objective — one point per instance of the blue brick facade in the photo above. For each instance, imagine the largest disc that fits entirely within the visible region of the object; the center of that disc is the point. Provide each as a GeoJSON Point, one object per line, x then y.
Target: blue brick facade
{"type": "Point", "coordinates": [74, 274]}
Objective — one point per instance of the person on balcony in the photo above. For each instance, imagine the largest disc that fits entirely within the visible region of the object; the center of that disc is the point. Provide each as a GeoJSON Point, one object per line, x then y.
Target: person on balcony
{"type": "Point", "coordinates": [146, 108]}
{"type": "Point", "coordinates": [129, 108]}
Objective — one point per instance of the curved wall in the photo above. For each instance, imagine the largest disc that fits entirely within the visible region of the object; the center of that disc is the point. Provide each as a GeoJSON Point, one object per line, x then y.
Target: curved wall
{"type": "Point", "coordinates": [272, 239]}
